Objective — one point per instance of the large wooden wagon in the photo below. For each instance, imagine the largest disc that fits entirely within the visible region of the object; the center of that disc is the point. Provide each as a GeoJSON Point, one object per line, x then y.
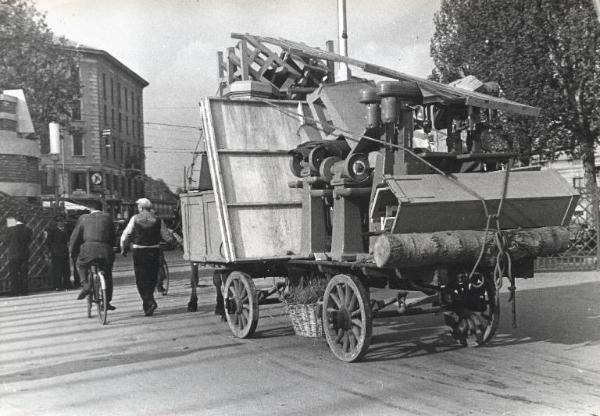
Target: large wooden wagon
{"type": "Point", "coordinates": [333, 186]}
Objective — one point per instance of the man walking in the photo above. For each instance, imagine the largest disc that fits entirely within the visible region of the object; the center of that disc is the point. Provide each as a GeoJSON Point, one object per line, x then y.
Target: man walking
{"type": "Point", "coordinates": [92, 241]}
{"type": "Point", "coordinates": [145, 231]}
{"type": "Point", "coordinates": [57, 243]}
{"type": "Point", "coordinates": [18, 237]}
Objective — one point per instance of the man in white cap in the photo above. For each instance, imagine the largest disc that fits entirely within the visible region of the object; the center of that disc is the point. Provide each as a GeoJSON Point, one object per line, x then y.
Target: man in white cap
{"type": "Point", "coordinates": [145, 232]}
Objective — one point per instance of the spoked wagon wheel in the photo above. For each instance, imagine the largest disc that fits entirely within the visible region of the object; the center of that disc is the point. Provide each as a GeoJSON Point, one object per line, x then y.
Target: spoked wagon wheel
{"type": "Point", "coordinates": [241, 304]}
{"type": "Point", "coordinates": [475, 322]}
{"type": "Point", "coordinates": [347, 319]}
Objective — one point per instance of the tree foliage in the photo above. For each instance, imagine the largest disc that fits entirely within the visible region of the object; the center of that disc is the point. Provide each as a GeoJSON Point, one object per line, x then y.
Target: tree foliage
{"type": "Point", "coordinates": [544, 53]}
{"type": "Point", "coordinates": [33, 59]}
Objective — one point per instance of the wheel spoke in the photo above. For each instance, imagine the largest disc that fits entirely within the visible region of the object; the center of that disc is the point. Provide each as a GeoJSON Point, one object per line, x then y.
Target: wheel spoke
{"type": "Point", "coordinates": [355, 313]}
{"type": "Point", "coordinates": [353, 301]}
{"type": "Point", "coordinates": [336, 299]}
{"type": "Point", "coordinates": [356, 332]}
{"type": "Point", "coordinates": [340, 334]}
{"type": "Point", "coordinates": [242, 320]}
{"type": "Point", "coordinates": [236, 285]}
{"type": "Point", "coordinates": [341, 294]}
{"type": "Point", "coordinates": [353, 339]}
{"type": "Point", "coordinates": [244, 300]}
{"type": "Point", "coordinates": [359, 323]}
{"type": "Point", "coordinates": [345, 342]}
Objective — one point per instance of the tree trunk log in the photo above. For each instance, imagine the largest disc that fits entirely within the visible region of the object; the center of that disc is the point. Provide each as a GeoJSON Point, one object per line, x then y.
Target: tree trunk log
{"type": "Point", "coordinates": [464, 246]}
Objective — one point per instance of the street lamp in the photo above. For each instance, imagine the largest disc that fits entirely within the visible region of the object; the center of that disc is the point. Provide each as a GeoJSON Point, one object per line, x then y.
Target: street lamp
{"type": "Point", "coordinates": [54, 130]}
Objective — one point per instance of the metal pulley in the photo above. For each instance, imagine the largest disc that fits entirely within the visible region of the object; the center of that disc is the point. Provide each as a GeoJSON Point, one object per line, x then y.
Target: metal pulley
{"type": "Point", "coordinates": [356, 167]}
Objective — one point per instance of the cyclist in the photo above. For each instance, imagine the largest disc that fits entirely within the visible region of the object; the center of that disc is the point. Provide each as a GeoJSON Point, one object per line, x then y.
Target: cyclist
{"type": "Point", "coordinates": [92, 241]}
{"type": "Point", "coordinates": [145, 231]}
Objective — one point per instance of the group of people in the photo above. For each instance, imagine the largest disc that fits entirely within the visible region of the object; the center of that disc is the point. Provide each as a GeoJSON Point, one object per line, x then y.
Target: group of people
{"type": "Point", "coordinates": [91, 241]}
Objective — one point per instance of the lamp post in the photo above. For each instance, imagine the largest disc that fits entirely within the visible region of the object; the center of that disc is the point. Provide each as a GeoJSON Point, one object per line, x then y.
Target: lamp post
{"type": "Point", "coordinates": [54, 130]}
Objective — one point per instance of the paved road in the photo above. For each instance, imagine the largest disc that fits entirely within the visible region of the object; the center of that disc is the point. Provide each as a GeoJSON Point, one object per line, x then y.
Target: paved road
{"type": "Point", "coordinates": [56, 361]}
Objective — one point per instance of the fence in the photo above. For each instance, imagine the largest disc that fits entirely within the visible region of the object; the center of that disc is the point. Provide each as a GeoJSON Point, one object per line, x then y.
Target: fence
{"type": "Point", "coordinates": [582, 253]}
{"type": "Point", "coordinates": [37, 220]}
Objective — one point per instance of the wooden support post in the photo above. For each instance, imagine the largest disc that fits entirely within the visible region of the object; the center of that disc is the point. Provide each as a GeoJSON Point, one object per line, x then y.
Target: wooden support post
{"type": "Point", "coordinates": [314, 238]}
{"type": "Point", "coordinates": [244, 62]}
{"type": "Point", "coordinates": [330, 64]}
{"type": "Point", "coordinates": [230, 65]}
{"type": "Point", "coordinates": [220, 72]}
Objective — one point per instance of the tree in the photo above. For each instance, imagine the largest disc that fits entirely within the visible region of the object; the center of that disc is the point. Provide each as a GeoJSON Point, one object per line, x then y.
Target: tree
{"type": "Point", "coordinates": [544, 53]}
{"type": "Point", "coordinates": [33, 59]}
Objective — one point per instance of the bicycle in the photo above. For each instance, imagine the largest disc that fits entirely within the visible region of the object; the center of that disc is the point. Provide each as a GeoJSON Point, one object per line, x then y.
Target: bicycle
{"type": "Point", "coordinates": [97, 293]}
{"type": "Point", "coordinates": [163, 275]}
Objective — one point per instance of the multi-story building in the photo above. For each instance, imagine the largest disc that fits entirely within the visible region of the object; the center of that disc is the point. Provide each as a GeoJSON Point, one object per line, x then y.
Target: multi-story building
{"type": "Point", "coordinates": [102, 156]}
{"type": "Point", "coordinates": [19, 152]}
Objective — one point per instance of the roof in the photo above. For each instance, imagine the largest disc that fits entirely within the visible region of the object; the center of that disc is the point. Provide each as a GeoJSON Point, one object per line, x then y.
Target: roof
{"type": "Point", "coordinates": [430, 89]}
{"type": "Point", "coordinates": [84, 49]}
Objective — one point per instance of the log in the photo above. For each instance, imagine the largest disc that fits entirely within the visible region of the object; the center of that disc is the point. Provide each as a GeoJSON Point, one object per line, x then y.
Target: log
{"type": "Point", "coordinates": [464, 246]}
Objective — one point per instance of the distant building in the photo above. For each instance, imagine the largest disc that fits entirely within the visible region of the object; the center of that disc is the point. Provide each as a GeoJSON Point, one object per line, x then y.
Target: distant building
{"type": "Point", "coordinates": [163, 200]}
{"type": "Point", "coordinates": [19, 153]}
{"type": "Point", "coordinates": [569, 168]}
{"type": "Point", "coordinates": [102, 157]}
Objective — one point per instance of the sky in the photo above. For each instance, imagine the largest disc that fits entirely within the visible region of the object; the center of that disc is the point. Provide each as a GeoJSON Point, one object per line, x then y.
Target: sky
{"type": "Point", "coordinates": [173, 44]}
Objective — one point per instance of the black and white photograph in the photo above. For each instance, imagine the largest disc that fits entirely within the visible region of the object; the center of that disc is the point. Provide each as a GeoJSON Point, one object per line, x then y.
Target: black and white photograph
{"type": "Point", "coordinates": [289, 208]}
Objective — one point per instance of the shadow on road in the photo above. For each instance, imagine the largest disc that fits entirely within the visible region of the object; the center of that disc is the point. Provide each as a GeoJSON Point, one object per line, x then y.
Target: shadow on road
{"type": "Point", "coordinates": [567, 315]}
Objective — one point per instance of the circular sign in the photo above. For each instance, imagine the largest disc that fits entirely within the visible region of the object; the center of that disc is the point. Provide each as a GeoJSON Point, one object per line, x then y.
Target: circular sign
{"type": "Point", "coordinates": [96, 178]}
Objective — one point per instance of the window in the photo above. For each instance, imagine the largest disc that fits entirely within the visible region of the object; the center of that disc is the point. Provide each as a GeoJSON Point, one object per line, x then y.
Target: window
{"type": "Point", "coordinates": [108, 182]}
{"type": "Point", "coordinates": [119, 94]}
{"type": "Point", "coordinates": [104, 86]}
{"type": "Point", "coordinates": [77, 144]}
{"type": "Point", "coordinates": [126, 125]}
{"type": "Point", "coordinates": [126, 99]}
{"type": "Point", "coordinates": [139, 105]}
{"type": "Point", "coordinates": [120, 123]}
{"type": "Point", "coordinates": [112, 118]}
{"type": "Point", "coordinates": [107, 147]}
{"type": "Point", "coordinates": [112, 91]}
{"type": "Point", "coordinates": [114, 149]}
{"type": "Point", "coordinates": [121, 151]}
{"type": "Point", "coordinates": [78, 181]}
{"type": "Point", "coordinates": [577, 182]}
{"type": "Point", "coordinates": [76, 110]}
{"type": "Point", "coordinates": [105, 116]}
{"type": "Point", "coordinates": [132, 128]}
{"type": "Point", "coordinates": [132, 103]}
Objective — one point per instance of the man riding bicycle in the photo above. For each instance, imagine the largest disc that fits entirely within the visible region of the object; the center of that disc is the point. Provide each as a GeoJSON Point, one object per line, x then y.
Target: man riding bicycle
{"type": "Point", "coordinates": [92, 242]}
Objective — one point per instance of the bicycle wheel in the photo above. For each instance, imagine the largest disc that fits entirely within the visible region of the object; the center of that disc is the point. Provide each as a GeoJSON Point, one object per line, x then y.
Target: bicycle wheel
{"type": "Point", "coordinates": [163, 276]}
{"type": "Point", "coordinates": [100, 295]}
{"type": "Point", "coordinates": [89, 297]}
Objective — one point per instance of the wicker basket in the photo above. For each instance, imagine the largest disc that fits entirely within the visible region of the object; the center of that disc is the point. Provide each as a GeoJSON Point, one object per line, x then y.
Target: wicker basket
{"type": "Point", "coordinates": [306, 319]}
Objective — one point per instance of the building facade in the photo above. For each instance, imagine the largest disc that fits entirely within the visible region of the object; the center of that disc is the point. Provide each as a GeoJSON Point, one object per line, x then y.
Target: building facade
{"type": "Point", "coordinates": [102, 154]}
{"type": "Point", "coordinates": [19, 151]}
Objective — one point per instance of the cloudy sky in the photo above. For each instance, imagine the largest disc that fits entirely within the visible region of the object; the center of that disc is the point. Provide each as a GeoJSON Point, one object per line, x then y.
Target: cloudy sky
{"type": "Point", "coordinates": [173, 44]}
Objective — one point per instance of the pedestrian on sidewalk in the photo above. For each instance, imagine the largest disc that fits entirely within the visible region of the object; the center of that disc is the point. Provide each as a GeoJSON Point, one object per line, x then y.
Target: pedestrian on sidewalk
{"type": "Point", "coordinates": [92, 242]}
{"type": "Point", "coordinates": [18, 237]}
{"type": "Point", "coordinates": [145, 232]}
{"type": "Point", "coordinates": [56, 241]}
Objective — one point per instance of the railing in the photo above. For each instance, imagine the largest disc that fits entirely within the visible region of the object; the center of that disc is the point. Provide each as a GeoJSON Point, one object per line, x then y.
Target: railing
{"type": "Point", "coordinates": [582, 253]}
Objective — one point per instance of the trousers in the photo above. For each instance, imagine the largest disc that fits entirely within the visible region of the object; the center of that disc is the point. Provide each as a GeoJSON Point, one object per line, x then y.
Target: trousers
{"type": "Point", "coordinates": [17, 268]}
{"type": "Point", "coordinates": [145, 265]}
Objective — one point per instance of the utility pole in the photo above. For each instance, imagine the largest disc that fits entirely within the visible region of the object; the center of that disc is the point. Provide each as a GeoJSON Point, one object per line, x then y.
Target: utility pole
{"type": "Point", "coordinates": [54, 130]}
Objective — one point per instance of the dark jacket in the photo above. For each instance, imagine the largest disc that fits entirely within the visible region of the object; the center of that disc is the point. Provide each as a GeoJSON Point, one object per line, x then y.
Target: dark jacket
{"type": "Point", "coordinates": [18, 238]}
{"type": "Point", "coordinates": [57, 241]}
{"type": "Point", "coordinates": [93, 237]}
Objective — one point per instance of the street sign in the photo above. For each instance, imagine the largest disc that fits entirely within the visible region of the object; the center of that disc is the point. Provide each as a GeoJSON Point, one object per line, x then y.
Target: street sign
{"type": "Point", "coordinates": [96, 178]}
